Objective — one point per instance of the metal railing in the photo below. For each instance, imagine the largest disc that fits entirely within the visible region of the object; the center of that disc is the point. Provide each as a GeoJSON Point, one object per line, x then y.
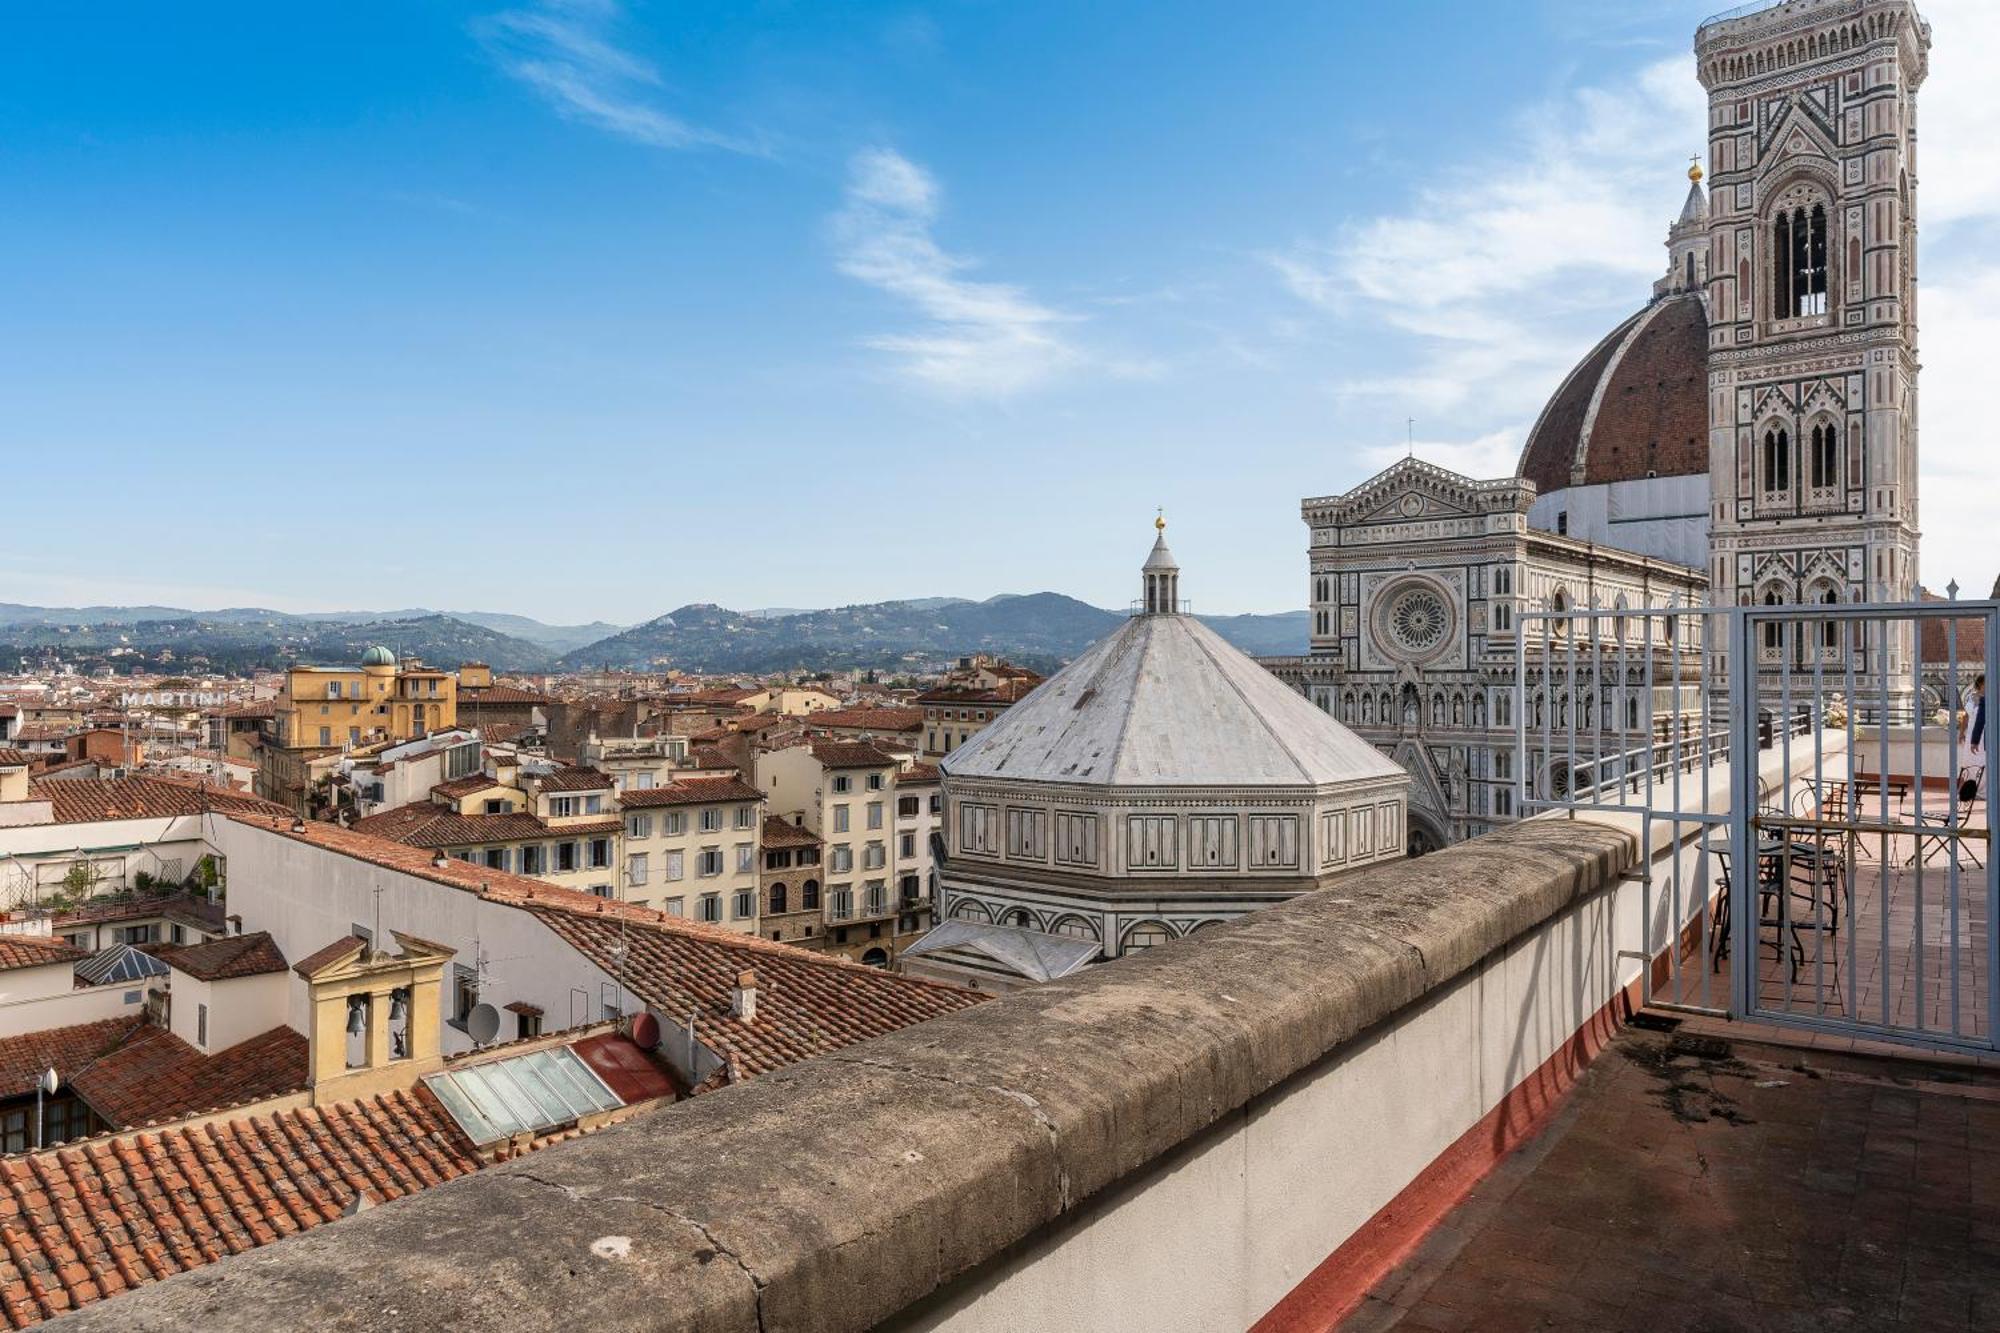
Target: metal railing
{"type": "Point", "coordinates": [1738, 12]}
{"type": "Point", "coordinates": [1821, 826]}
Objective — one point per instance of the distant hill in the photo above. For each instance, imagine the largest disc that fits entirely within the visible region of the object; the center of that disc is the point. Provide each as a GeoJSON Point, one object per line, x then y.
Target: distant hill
{"type": "Point", "coordinates": [240, 640]}
{"type": "Point", "coordinates": [1042, 630]}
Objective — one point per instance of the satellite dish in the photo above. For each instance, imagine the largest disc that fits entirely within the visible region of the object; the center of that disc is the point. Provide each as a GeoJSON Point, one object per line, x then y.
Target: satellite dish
{"type": "Point", "coordinates": [483, 1023]}
{"type": "Point", "coordinates": [645, 1031]}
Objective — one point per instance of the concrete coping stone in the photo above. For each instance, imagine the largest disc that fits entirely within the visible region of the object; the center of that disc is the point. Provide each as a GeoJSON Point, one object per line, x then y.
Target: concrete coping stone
{"type": "Point", "coordinates": [839, 1191]}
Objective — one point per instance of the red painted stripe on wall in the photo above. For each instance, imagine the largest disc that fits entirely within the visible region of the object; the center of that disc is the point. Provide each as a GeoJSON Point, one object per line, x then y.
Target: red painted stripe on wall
{"type": "Point", "coordinates": [1334, 1289]}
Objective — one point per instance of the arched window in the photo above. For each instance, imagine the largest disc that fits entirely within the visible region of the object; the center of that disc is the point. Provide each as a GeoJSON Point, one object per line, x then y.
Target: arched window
{"type": "Point", "coordinates": [1076, 928]}
{"type": "Point", "coordinates": [968, 910]}
{"type": "Point", "coordinates": [1829, 628]}
{"type": "Point", "coordinates": [1774, 630]}
{"type": "Point", "coordinates": [1798, 253]}
{"type": "Point", "coordinates": [809, 895]}
{"type": "Point", "coordinates": [1823, 462]}
{"type": "Point", "coordinates": [1777, 461]}
{"type": "Point", "coordinates": [777, 903]}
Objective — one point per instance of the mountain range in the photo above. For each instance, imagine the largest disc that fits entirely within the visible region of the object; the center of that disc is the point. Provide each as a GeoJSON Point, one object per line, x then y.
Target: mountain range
{"type": "Point", "coordinates": [1041, 630]}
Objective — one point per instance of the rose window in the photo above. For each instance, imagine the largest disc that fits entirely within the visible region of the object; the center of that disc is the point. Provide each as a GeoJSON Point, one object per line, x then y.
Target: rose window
{"type": "Point", "coordinates": [1419, 620]}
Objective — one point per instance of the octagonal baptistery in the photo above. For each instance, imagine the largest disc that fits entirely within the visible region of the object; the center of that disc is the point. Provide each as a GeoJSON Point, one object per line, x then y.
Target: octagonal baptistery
{"type": "Point", "coordinates": [1161, 782]}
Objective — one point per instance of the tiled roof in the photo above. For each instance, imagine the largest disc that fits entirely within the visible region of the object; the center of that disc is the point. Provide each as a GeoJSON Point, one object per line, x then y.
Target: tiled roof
{"type": "Point", "coordinates": [76, 801]}
{"type": "Point", "coordinates": [12, 758]}
{"type": "Point", "coordinates": [807, 1003]}
{"type": "Point", "coordinates": [156, 1076]}
{"type": "Point", "coordinates": [1007, 692]}
{"type": "Point", "coordinates": [784, 833]}
{"type": "Point", "coordinates": [497, 694]}
{"type": "Point", "coordinates": [465, 786]}
{"type": "Point", "coordinates": [97, 1218]}
{"type": "Point", "coordinates": [320, 959]}
{"type": "Point", "coordinates": [814, 1002]}
{"type": "Point", "coordinates": [1939, 643]}
{"type": "Point", "coordinates": [428, 824]}
{"type": "Point", "coordinates": [575, 779]}
{"type": "Point", "coordinates": [92, 1221]}
{"type": "Point", "coordinates": [132, 1072]}
{"type": "Point", "coordinates": [23, 1058]}
{"type": "Point", "coordinates": [870, 719]}
{"type": "Point", "coordinates": [688, 791]}
{"type": "Point", "coordinates": [227, 958]}
{"type": "Point", "coordinates": [850, 754]}
{"type": "Point", "coordinates": [918, 775]}
{"type": "Point", "coordinates": [35, 951]}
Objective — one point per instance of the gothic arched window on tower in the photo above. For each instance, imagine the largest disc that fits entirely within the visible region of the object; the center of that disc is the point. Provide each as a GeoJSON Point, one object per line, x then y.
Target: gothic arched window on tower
{"type": "Point", "coordinates": [1774, 630]}
{"type": "Point", "coordinates": [1829, 628]}
{"type": "Point", "coordinates": [1824, 464]}
{"type": "Point", "coordinates": [1798, 251]}
{"type": "Point", "coordinates": [1777, 461]}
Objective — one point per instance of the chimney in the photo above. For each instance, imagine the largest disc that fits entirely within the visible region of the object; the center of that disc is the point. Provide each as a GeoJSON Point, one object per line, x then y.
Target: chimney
{"type": "Point", "coordinates": [743, 999]}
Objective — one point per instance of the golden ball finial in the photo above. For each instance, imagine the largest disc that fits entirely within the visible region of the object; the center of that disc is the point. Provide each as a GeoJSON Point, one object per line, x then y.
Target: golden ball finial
{"type": "Point", "coordinates": [1694, 170]}
{"type": "Point", "coordinates": [1160, 523]}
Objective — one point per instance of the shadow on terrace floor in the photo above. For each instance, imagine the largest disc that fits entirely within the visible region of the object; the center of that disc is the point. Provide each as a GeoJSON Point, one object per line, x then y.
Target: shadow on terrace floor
{"type": "Point", "coordinates": [1691, 1183]}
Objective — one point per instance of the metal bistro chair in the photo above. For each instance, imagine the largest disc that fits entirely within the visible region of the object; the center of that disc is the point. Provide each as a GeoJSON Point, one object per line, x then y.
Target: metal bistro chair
{"type": "Point", "coordinates": [1935, 833]}
{"type": "Point", "coordinates": [1769, 888]}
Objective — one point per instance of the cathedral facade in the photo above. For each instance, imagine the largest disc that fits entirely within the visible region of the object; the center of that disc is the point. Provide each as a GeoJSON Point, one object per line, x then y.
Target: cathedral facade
{"type": "Point", "coordinates": [1747, 437]}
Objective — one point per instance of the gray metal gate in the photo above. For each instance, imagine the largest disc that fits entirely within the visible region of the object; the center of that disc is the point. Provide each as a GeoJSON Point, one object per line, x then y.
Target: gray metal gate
{"type": "Point", "coordinates": [1814, 823]}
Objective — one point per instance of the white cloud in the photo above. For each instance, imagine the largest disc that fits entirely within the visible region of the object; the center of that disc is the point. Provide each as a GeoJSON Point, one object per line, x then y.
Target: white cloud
{"type": "Point", "coordinates": [1503, 271]}
{"type": "Point", "coordinates": [1493, 454]}
{"type": "Point", "coordinates": [1958, 304]}
{"type": "Point", "coordinates": [980, 338]}
{"type": "Point", "coordinates": [1959, 117]}
{"type": "Point", "coordinates": [563, 50]}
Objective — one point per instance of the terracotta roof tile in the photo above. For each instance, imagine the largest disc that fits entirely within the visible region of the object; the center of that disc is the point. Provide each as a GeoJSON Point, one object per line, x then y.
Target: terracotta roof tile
{"type": "Point", "coordinates": [35, 951]}
{"type": "Point", "coordinates": [320, 959]}
{"type": "Point", "coordinates": [465, 786]}
{"type": "Point", "coordinates": [78, 801]}
{"type": "Point", "coordinates": [92, 1221]}
{"type": "Point", "coordinates": [870, 719]}
{"type": "Point", "coordinates": [428, 824]}
{"type": "Point", "coordinates": [133, 1072]}
{"type": "Point", "coordinates": [688, 791]}
{"type": "Point", "coordinates": [498, 694]}
{"type": "Point", "coordinates": [227, 958]}
{"type": "Point", "coordinates": [807, 1003]}
{"type": "Point", "coordinates": [783, 833]}
{"type": "Point", "coordinates": [11, 758]}
{"type": "Point", "coordinates": [575, 779]}
{"type": "Point", "coordinates": [850, 754]}
{"type": "Point", "coordinates": [156, 1076]}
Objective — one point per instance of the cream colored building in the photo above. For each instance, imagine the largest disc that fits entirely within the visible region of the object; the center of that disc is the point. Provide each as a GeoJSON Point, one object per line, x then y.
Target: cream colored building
{"type": "Point", "coordinates": [844, 791]}
{"type": "Point", "coordinates": [692, 849]}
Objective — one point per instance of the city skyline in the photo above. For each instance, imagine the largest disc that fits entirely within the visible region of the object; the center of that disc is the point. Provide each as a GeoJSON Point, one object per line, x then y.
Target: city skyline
{"type": "Point", "coordinates": [1008, 280]}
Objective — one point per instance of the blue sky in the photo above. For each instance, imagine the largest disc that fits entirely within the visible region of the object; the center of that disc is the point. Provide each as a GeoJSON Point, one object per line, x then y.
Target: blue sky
{"type": "Point", "coordinates": [591, 309]}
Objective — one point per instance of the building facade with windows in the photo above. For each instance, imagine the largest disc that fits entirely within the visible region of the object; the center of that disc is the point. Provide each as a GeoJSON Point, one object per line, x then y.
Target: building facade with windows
{"type": "Point", "coordinates": [1160, 783]}
{"type": "Point", "coordinates": [692, 849]}
{"type": "Point", "coordinates": [845, 793]}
